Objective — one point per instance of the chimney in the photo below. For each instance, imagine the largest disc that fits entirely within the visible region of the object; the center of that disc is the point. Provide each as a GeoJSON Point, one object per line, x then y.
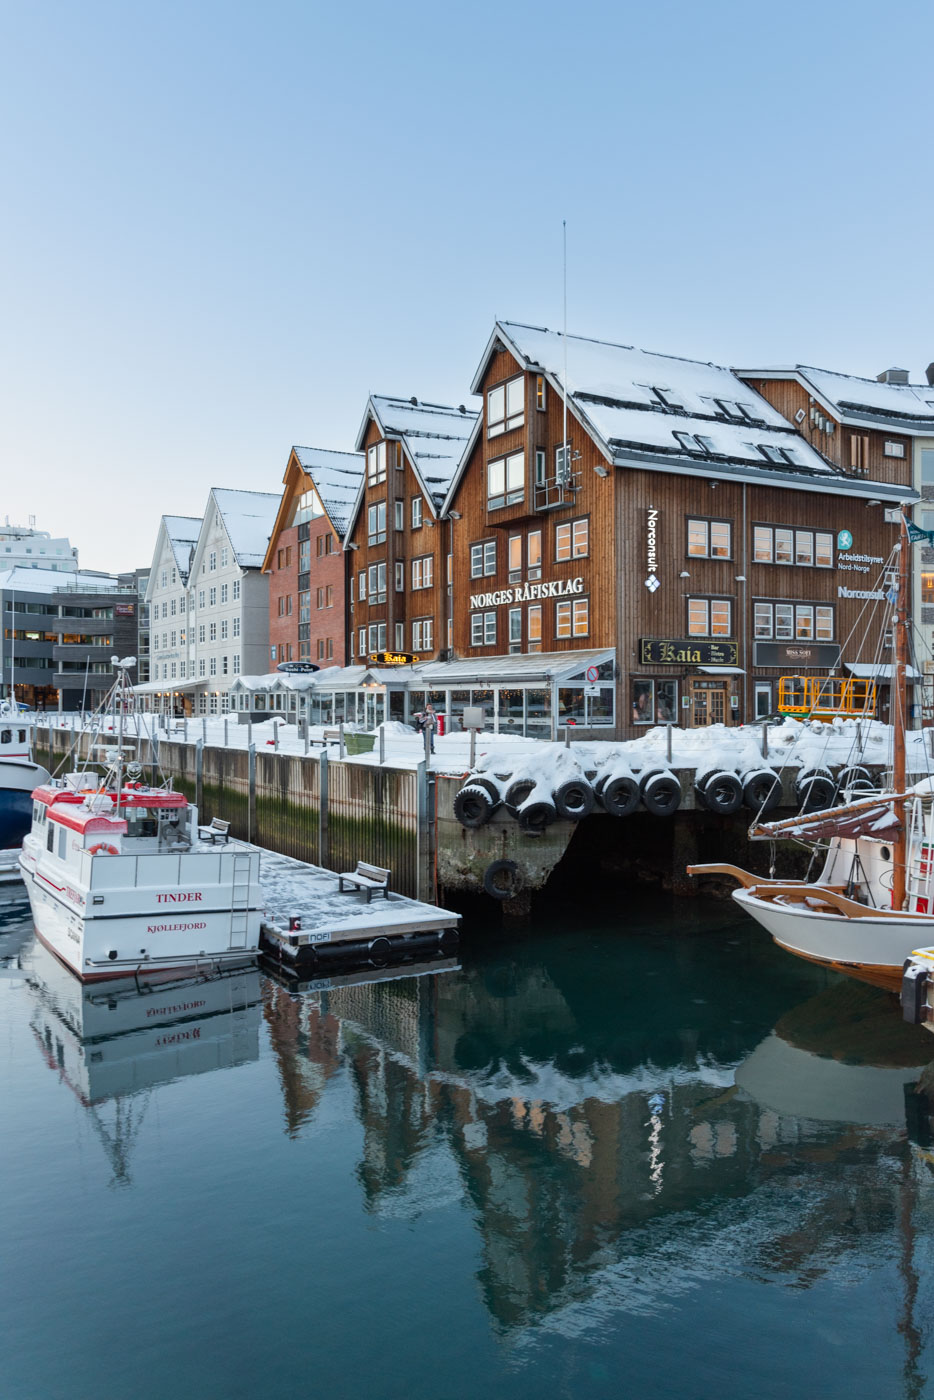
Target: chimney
{"type": "Point", "coordinates": [893, 376]}
{"type": "Point", "coordinates": [929, 373]}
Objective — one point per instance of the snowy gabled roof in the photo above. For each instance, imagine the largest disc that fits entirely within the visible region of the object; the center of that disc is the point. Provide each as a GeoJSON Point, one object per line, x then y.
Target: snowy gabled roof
{"type": "Point", "coordinates": [904, 407]}
{"type": "Point", "coordinates": [182, 532]}
{"type": "Point", "coordinates": [337, 477]}
{"type": "Point", "coordinates": [248, 518]}
{"type": "Point", "coordinates": [433, 436]}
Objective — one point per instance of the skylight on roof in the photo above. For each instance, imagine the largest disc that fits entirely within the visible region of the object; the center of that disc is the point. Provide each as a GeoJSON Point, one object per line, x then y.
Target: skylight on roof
{"type": "Point", "coordinates": [770, 453]}
{"type": "Point", "coordinates": [750, 413]}
{"type": "Point", "coordinates": [730, 410]}
{"type": "Point", "coordinates": [696, 446]}
{"type": "Point", "coordinates": [667, 397]}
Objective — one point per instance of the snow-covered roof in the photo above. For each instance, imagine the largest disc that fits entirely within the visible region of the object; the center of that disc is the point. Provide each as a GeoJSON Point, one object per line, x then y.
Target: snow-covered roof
{"type": "Point", "coordinates": [248, 518]}
{"type": "Point", "coordinates": [433, 435]}
{"type": "Point", "coordinates": [546, 664]}
{"type": "Point", "coordinates": [337, 477]}
{"type": "Point", "coordinates": [182, 532]}
{"type": "Point", "coordinates": [639, 402]}
{"type": "Point", "coordinates": [57, 580]}
{"type": "Point", "coordinates": [906, 407]}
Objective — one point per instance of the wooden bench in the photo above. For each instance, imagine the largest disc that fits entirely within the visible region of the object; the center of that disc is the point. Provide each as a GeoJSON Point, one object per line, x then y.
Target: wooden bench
{"type": "Point", "coordinates": [366, 877]}
{"type": "Point", "coordinates": [330, 736]}
{"type": "Point", "coordinates": [216, 830]}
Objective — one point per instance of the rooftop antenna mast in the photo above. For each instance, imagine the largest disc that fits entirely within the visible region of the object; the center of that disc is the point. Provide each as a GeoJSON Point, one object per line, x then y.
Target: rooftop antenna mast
{"type": "Point", "coordinates": [565, 464]}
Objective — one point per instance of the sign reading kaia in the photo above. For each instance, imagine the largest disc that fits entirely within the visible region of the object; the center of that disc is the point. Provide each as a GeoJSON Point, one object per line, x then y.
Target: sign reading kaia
{"type": "Point", "coordinates": [528, 593]}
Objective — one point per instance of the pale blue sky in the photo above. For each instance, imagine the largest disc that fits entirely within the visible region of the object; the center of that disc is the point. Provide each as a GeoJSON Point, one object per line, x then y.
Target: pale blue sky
{"type": "Point", "coordinates": [224, 224]}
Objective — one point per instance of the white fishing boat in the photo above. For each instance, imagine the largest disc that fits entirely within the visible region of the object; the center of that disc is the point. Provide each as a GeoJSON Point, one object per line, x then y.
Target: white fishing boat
{"type": "Point", "coordinates": [19, 774]}
{"type": "Point", "coordinates": [873, 901]}
{"type": "Point", "coordinates": [121, 878]}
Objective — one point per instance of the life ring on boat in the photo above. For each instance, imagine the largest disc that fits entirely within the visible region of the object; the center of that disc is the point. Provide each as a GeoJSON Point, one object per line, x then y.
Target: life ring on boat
{"type": "Point", "coordinates": [102, 848]}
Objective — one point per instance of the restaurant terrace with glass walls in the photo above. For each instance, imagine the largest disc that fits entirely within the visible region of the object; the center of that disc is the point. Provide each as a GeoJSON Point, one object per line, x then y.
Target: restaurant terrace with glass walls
{"type": "Point", "coordinates": [679, 525]}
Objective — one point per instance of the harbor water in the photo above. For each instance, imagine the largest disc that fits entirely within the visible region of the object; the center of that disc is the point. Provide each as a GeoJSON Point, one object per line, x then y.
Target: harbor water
{"type": "Point", "coordinates": [638, 1154]}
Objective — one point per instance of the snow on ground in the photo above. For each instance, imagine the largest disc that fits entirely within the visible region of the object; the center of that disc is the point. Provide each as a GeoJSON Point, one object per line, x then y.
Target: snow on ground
{"type": "Point", "coordinates": [804, 745]}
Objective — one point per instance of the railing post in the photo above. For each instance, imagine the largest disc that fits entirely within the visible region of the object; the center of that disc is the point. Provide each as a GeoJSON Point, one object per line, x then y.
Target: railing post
{"type": "Point", "coordinates": [422, 873]}
{"type": "Point", "coordinates": [185, 729]}
{"type": "Point", "coordinates": [225, 731]}
{"type": "Point", "coordinates": [251, 799]}
{"type": "Point", "coordinates": [382, 745]}
{"type": "Point", "coordinates": [204, 730]}
{"type": "Point", "coordinates": [199, 773]}
{"type": "Point", "coordinates": [323, 852]}
{"type": "Point", "coordinates": [765, 738]}
{"type": "Point", "coordinates": [340, 731]}
{"type": "Point", "coordinates": [668, 744]}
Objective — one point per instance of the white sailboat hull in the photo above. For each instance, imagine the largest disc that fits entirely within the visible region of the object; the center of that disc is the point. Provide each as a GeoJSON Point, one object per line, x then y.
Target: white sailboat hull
{"type": "Point", "coordinates": [874, 947]}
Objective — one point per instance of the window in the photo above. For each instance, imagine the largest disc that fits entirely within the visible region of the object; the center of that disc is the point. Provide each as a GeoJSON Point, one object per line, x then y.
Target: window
{"type": "Point", "coordinates": [709, 617]}
{"type": "Point", "coordinates": [225, 556]}
{"type": "Point", "coordinates": [376, 464]}
{"type": "Point", "coordinates": [399, 514]}
{"type": "Point", "coordinates": [400, 575]}
{"type": "Point", "coordinates": [224, 664]}
{"type": "Point", "coordinates": [376, 523]}
{"type": "Point", "coordinates": [710, 539]}
{"type": "Point", "coordinates": [416, 512]}
{"type": "Point", "coordinates": [164, 578]}
{"type": "Point", "coordinates": [894, 449]}
{"type": "Point", "coordinates": [654, 702]}
{"type": "Point", "coordinates": [572, 540]}
{"type": "Point", "coordinates": [515, 629]}
{"type": "Point", "coordinates": [505, 481]}
{"type": "Point", "coordinates": [377, 636]}
{"type": "Point", "coordinates": [223, 592]}
{"type": "Point", "coordinates": [212, 560]}
{"type": "Point", "coordinates": [784, 621]}
{"type": "Point", "coordinates": [535, 627]}
{"type": "Point", "coordinates": [572, 619]}
{"type": "Point", "coordinates": [172, 608]}
{"type": "Point", "coordinates": [172, 641]}
{"type": "Point", "coordinates": [422, 634]}
{"type": "Point", "coordinates": [201, 632]}
{"type": "Point", "coordinates": [181, 604]}
{"type": "Point", "coordinates": [319, 600]}
{"type": "Point", "coordinates": [236, 623]}
{"type": "Point", "coordinates": [541, 393]}
{"type": "Point", "coordinates": [212, 597]}
{"type": "Point", "coordinates": [304, 556]}
{"type": "Point", "coordinates": [781, 545]}
{"type": "Point", "coordinates": [489, 629]}
{"type": "Point", "coordinates": [200, 597]}
{"type": "Point", "coordinates": [224, 625]}
{"type": "Point", "coordinates": [541, 470]}
{"type": "Point", "coordinates": [165, 609]}
{"type": "Point", "coordinates": [927, 589]}
{"type": "Point", "coordinates": [362, 640]}
{"type": "Point", "coordinates": [762, 619]}
{"type": "Point", "coordinates": [804, 547]}
{"type": "Point", "coordinates": [535, 554]}
{"type": "Point", "coordinates": [422, 572]}
{"type": "Point", "coordinates": [400, 636]}
{"type": "Point", "coordinates": [212, 632]}
{"type": "Point", "coordinates": [793, 621]}
{"type": "Point", "coordinates": [361, 585]}
{"type": "Point", "coordinates": [859, 452]}
{"type": "Point", "coordinates": [236, 589]}
{"type": "Point", "coordinates": [304, 607]}
{"type": "Point", "coordinates": [927, 466]}
{"type": "Point", "coordinates": [309, 507]}
{"type": "Point", "coordinates": [823, 550]}
{"type": "Point", "coordinates": [483, 559]}
{"type": "Point", "coordinates": [328, 597]}
{"type": "Point", "coordinates": [377, 583]}
{"type": "Point", "coordinates": [505, 407]}
{"type": "Point", "coordinates": [476, 627]}
{"type": "Point", "coordinates": [514, 556]}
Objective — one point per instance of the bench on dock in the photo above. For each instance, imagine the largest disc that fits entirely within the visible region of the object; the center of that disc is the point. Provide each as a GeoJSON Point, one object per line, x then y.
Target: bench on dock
{"type": "Point", "coordinates": [366, 877]}
{"type": "Point", "coordinates": [216, 830]}
{"type": "Point", "coordinates": [330, 736]}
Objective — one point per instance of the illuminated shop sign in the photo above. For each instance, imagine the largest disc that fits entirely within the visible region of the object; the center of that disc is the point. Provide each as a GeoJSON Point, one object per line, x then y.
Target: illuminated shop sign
{"type": "Point", "coordinates": [686, 651]}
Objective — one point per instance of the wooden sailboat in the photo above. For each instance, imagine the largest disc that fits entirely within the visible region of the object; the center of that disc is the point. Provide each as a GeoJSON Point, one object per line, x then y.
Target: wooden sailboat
{"type": "Point", "coordinates": [873, 901]}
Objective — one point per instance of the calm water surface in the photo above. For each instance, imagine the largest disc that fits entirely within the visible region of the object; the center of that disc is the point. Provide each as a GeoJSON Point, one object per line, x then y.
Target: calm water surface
{"type": "Point", "coordinates": [639, 1157]}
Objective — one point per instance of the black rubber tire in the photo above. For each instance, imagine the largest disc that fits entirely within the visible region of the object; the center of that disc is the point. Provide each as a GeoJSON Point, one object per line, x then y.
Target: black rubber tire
{"type": "Point", "coordinates": [535, 818]}
{"type": "Point", "coordinates": [517, 792]}
{"type": "Point", "coordinates": [620, 797]}
{"type": "Point", "coordinates": [379, 951]}
{"type": "Point", "coordinates": [762, 793]}
{"type": "Point", "coordinates": [858, 777]}
{"type": "Point", "coordinates": [497, 890]}
{"type": "Point", "coordinates": [599, 784]}
{"type": "Point", "coordinates": [473, 806]}
{"type": "Point", "coordinates": [574, 799]}
{"type": "Point", "coordinates": [815, 793]}
{"type": "Point", "coordinates": [643, 777]}
{"type": "Point", "coordinates": [663, 798]}
{"type": "Point", "coordinates": [496, 797]}
{"type": "Point", "coordinates": [722, 793]}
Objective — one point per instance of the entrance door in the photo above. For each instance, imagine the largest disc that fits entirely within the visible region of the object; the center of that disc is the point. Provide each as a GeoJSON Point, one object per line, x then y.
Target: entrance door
{"type": "Point", "coordinates": [709, 703]}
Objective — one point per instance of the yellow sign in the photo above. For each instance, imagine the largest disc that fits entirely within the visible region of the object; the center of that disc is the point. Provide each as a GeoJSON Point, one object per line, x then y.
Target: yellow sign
{"type": "Point", "coordinates": [392, 658]}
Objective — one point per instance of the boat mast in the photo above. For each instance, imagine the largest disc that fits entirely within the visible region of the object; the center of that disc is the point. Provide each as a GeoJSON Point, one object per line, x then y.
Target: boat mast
{"type": "Point", "coordinates": [899, 719]}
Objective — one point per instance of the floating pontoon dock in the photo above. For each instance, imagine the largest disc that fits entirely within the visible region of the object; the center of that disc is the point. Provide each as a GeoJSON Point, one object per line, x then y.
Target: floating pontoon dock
{"type": "Point", "coordinates": [333, 926]}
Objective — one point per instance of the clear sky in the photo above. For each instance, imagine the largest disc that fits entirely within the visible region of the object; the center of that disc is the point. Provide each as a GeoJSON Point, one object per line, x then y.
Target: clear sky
{"type": "Point", "coordinates": [224, 224]}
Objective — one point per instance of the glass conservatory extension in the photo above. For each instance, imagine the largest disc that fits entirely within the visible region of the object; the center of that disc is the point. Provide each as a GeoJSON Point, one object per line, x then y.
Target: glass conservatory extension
{"type": "Point", "coordinates": [534, 696]}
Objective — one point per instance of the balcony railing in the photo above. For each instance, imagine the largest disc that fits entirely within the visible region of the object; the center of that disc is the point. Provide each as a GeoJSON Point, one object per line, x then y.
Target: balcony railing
{"type": "Point", "coordinates": [556, 491]}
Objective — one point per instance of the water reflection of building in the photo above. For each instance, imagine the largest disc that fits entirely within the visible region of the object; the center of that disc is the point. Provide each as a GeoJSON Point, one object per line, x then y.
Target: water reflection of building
{"type": "Point", "coordinates": [592, 1168]}
{"type": "Point", "coordinates": [113, 1045]}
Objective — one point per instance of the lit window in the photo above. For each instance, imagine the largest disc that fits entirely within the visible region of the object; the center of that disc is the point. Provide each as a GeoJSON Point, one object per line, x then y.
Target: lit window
{"type": "Point", "coordinates": [506, 481]}
{"type": "Point", "coordinates": [505, 407]}
{"type": "Point", "coordinates": [400, 575]}
{"type": "Point", "coordinates": [804, 547]}
{"type": "Point", "coordinates": [514, 555]}
{"type": "Point", "coordinates": [535, 553]}
{"type": "Point", "coordinates": [823, 550]}
{"type": "Point", "coordinates": [894, 449]}
{"type": "Point", "coordinates": [535, 627]}
{"type": "Point", "coordinates": [541, 393]}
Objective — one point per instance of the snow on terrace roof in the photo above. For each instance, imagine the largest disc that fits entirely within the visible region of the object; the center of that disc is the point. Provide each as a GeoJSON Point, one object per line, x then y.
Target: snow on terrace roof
{"type": "Point", "coordinates": [434, 435]}
{"type": "Point", "coordinates": [637, 400]}
{"type": "Point", "coordinates": [248, 519]}
{"type": "Point", "coordinates": [54, 581]}
{"type": "Point", "coordinates": [183, 532]}
{"type": "Point", "coordinates": [337, 477]}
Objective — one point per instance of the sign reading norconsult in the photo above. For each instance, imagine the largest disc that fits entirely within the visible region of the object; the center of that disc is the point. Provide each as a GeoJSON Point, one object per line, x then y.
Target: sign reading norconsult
{"type": "Point", "coordinates": [528, 593]}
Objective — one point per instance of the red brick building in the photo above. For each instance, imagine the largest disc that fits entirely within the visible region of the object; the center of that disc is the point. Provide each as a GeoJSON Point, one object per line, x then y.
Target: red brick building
{"type": "Point", "coordinates": [305, 559]}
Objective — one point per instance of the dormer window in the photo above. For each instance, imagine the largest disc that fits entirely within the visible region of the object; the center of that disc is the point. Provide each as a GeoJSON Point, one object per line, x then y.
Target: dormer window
{"type": "Point", "coordinates": [505, 407]}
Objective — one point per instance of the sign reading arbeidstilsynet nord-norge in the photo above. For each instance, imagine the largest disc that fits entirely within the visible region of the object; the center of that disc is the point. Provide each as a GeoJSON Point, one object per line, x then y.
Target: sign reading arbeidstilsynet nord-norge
{"type": "Point", "coordinates": [686, 651]}
{"type": "Point", "coordinates": [528, 593]}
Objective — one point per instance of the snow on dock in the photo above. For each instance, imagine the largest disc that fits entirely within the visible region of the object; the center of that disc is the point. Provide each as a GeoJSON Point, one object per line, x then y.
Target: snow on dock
{"type": "Point", "coordinates": [345, 923]}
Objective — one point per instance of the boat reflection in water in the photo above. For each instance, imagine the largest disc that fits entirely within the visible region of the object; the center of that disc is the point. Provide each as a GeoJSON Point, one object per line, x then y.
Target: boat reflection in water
{"type": "Point", "coordinates": [626, 1134]}
{"type": "Point", "coordinates": [113, 1043]}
